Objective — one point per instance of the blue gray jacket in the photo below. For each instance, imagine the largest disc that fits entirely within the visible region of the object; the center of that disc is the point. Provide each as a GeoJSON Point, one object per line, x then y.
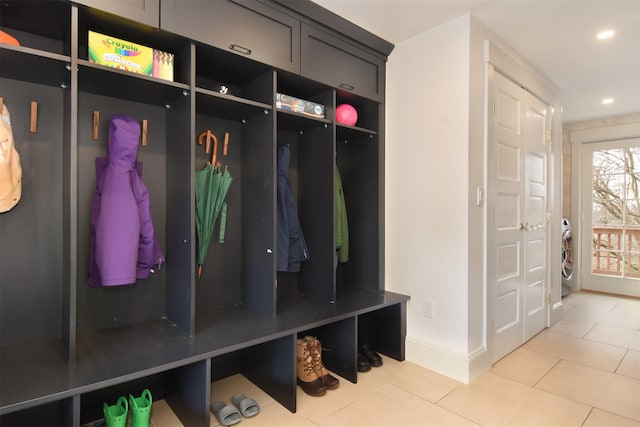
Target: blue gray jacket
{"type": "Point", "coordinates": [292, 248]}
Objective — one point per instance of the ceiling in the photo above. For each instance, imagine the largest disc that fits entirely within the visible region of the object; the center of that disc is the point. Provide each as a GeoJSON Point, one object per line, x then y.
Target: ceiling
{"type": "Point", "coordinates": [556, 36]}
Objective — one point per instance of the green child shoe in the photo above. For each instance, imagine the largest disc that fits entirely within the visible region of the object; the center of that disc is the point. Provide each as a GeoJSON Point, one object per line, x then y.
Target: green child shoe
{"type": "Point", "coordinates": [140, 409]}
{"type": "Point", "coordinates": [116, 415]}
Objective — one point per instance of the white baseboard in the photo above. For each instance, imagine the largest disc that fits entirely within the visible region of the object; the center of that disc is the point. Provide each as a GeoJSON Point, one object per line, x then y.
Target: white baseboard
{"type": "Point", "coordinates": [461, 367]}
{"type": "Point", "coordinates": [557, 313]}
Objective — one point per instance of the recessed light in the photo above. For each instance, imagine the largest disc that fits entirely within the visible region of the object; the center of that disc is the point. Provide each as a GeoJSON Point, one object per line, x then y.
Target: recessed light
{"type": "Point", "coordinates": [605, 34]}
{"type": "Point", "coordinates": [606, 101]}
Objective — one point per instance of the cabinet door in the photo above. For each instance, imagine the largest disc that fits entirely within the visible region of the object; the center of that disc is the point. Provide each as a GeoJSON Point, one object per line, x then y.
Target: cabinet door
{"type": "Point", "coordinates": [244, 27]}
{"type": "Point", "coordinates": [144, 11]}
{"type": "Point", "coordinates": [330, 60]}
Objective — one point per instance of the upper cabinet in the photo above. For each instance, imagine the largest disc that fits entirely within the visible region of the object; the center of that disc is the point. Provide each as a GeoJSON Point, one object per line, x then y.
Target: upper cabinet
{"type": "Point", "coordinates": [245, 27]}
{"type": "Point", "coordinates": [143, 11]}
{"type": "Point", "coordinates": [359, 72]}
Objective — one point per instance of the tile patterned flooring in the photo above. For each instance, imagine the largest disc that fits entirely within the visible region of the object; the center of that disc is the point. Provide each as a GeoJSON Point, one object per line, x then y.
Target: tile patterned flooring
{"type": "Point", "coordinates": [584, 371]}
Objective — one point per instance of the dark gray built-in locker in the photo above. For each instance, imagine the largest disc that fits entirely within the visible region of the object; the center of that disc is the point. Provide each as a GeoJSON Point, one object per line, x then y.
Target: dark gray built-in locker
{"type": "Point", "coordinates": [66, 347]}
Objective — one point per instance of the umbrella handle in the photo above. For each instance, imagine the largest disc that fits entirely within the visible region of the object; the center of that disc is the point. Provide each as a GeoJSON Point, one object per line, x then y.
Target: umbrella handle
{"type": "Point", "coordinates": [207, 136]}
{"type": "Point", "coordinates": [214, 156]}
{"type": "Point", "coordinates": [202, 135]}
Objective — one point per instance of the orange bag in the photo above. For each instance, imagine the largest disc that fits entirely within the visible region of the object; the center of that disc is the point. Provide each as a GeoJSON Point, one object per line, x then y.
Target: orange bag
{"type": "Point", "coordinates": [6, 38]}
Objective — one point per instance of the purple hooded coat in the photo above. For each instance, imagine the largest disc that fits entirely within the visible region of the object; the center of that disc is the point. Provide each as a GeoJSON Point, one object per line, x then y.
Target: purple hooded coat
{"type": "Point", "coordinates": [124, 246]}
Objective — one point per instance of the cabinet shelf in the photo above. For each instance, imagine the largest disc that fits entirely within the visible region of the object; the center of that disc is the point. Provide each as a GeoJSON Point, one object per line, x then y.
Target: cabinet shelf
{"type": "Point", "coordinates": [228, 106]}
{"type": "Point", "coordinates": [36, 373]}
{"type": "Point", "coordinates": [106, 81]}
{"type": "Point", "coordinates": [347, 133]}
{"type": "Point", "coordinates": [32, 374]}
{"type": "Point", "coordinates": [25, 63]}
{"type": "Point", "coordinates": [288, 120]}
{"type": "Point", "coordinates": [39, 24]}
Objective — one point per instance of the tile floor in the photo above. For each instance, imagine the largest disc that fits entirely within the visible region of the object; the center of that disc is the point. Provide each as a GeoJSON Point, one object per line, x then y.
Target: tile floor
{"type": "Point", "coordinates": [584, 371]}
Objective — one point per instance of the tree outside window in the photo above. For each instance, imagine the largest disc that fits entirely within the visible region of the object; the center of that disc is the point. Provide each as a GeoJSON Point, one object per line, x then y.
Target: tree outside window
{"type": "Point", "coordinates": [616, 212]}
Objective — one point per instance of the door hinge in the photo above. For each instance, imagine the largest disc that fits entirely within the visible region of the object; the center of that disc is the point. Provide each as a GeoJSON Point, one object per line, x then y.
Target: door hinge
{"type": "Point", "coordinates": [549, 134]}
{"type": "Point", "coordinates": [548, 298]}
{"type": "Point", "coordinates": [493, 106]}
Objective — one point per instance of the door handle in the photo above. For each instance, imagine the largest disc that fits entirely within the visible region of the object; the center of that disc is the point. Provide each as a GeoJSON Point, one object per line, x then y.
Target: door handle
{"type": "Point", "coordinates": [524, 226]}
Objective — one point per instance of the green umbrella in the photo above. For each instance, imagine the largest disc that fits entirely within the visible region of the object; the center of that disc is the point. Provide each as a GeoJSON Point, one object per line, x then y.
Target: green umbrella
{"type": "Point", "coordinates": [212, 186]}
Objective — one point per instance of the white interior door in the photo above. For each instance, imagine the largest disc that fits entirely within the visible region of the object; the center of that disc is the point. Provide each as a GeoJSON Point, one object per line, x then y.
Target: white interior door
{"type": "Point", "coordinates": [535, 208]}
{"type": "Point", "coordinates": [517, 203]}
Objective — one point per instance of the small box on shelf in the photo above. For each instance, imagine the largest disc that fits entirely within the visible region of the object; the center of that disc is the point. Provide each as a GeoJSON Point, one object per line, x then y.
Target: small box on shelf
{"type": "Point", "coordinates": [133, 57]}
{"type": "Point", "coordinates": [297, 105]}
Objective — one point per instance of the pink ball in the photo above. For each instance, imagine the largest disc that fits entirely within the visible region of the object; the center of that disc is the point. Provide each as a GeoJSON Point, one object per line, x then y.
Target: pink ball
{"type": "Point", "coordinates": [346, 114]}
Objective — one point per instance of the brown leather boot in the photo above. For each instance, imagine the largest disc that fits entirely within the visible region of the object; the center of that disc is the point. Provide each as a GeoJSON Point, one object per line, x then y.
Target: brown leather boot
{"type": "Point", "coordinates": [308, 380]}
{"type": "Point", "coordinates": [329, 381]}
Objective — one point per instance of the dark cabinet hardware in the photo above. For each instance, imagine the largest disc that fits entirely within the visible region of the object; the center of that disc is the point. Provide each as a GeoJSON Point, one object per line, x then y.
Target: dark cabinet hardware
{"type": "Point", "coordinates": [240, 49]}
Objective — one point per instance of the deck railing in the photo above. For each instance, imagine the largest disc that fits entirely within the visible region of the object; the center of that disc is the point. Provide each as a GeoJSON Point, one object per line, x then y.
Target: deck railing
{"type": "Point", "coordinates": [614, 247]}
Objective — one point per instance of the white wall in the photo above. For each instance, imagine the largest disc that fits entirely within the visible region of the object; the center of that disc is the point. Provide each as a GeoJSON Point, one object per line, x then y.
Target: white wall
{"type": "Point", "coordinates": [435, 162]}
{"type": "Point", "coordinates": [477, 180]}
{"type": "Point", "coordinates": [427, 188]}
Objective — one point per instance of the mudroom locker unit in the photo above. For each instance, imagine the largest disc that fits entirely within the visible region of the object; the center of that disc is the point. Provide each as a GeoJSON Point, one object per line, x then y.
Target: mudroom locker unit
{"type": "Point", "coordinates": [66, 347]}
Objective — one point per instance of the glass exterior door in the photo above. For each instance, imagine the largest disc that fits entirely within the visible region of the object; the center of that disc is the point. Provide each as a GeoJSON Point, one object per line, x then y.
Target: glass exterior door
{"type": "Point", "coordinates": [611, 230]}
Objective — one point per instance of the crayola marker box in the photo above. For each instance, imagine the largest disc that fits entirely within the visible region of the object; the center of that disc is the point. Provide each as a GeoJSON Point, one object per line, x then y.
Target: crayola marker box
{"type": "Point", "coordinates": [133, 57]}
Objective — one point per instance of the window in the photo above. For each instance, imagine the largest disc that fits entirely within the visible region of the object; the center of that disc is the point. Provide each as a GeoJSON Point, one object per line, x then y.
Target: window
{"type": "Point", "coordinates": [615, 216]}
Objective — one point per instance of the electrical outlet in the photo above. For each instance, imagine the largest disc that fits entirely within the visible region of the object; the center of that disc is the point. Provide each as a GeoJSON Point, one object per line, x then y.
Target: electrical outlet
{"type": "Point", "coordinates": [428, 308]}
